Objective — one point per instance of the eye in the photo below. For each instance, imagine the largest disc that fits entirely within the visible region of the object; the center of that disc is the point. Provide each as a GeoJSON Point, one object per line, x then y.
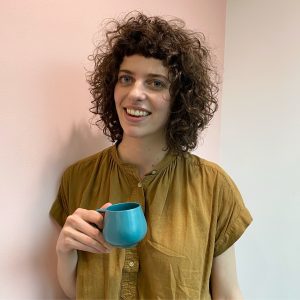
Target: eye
{"type": "Point", "coordinates": [156, 84]}
{"type": "Point", "coordinates": [125, 79]}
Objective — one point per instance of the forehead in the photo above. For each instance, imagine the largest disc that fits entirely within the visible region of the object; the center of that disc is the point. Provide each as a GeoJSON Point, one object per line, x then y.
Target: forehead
{"type": "Point", "coordinates": [139, 64]}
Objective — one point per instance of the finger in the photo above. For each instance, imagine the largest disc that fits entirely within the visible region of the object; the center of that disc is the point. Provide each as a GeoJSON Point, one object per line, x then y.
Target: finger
{"type": "Point", "coordinates": [87, 229]}
{"type": "Point", "coordinates": [89, 216]}
{"type": "Point", "coordinates": [81, 241]}
{"type": "Point", "coordinates": [92, 216]}
{"type": "Point", "coordinates": [82, 247]}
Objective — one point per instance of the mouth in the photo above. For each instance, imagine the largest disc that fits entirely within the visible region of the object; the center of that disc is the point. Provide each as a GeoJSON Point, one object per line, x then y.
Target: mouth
{"type": "Point", "coordinates": [137, 112]}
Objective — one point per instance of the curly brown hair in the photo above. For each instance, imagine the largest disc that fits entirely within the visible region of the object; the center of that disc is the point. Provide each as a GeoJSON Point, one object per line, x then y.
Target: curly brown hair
{"type": "Point", "coordinates": [193, 86]}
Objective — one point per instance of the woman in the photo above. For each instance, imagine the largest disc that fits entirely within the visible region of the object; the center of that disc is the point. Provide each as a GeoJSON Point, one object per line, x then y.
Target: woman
{"type": "Point", "coordinates": [153, 92]}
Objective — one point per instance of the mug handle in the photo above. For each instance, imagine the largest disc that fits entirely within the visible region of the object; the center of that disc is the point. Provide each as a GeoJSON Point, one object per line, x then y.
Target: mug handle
{"type": "Point", "coordinates": [101, 211]}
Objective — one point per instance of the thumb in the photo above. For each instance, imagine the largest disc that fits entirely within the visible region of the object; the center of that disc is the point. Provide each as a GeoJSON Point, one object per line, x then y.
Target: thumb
{"type": "Point", "coordinates": [106, 205]}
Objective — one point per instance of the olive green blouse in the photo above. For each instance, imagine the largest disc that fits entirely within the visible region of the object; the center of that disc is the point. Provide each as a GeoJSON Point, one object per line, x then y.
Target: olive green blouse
{"type": "Point", "coordinates": [193, 210]}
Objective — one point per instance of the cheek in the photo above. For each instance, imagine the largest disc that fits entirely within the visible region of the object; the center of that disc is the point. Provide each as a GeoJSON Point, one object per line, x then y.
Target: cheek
{"type": "Point", "coordinates": [117, 95]}
{"type": "Point", "coordinates": [166, 104]}
{"type": "Point", "coordinates": [167, 98]}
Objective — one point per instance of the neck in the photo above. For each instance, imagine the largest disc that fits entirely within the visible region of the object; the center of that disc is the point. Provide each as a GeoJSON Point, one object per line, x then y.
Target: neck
{"type": "Point", "coordinates": [144, 154]}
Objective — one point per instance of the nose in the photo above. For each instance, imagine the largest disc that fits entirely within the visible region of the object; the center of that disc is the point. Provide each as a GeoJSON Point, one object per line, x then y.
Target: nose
{"type": "Point", "coordinates": [138, 91]}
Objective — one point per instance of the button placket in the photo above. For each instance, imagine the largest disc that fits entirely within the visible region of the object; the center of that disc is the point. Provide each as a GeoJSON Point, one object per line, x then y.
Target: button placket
{"type": "Point", "coordinates": [131, 263]}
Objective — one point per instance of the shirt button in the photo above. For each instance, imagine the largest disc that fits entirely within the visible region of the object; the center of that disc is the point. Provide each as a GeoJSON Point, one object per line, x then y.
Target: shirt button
{"type": "Point", "coordinates": [131, 264]}
{"type": "Point", "coordinates": [140, 185]}
{"type": "Point", "coordinates": [153, 172]}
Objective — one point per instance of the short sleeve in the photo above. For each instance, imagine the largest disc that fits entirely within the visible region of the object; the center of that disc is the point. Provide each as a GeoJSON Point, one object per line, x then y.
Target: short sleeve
{"type": "Point", "coordinates": [59, 210]}
{"type": "Point", "coordinates": [233, 216]}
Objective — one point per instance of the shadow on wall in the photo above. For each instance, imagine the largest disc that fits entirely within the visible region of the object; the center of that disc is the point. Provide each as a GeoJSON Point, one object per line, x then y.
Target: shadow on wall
{"type": "Point", "coordinates": [58, 87]}
{"type": "Point", "coordinates": [82, 142]}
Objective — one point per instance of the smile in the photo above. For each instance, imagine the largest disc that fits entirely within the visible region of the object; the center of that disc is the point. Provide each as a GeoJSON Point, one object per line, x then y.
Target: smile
{"type": "Point", "coordinates": [137, 112]}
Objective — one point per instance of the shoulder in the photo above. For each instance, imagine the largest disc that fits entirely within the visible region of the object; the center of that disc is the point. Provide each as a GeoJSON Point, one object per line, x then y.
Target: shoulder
{"type": "Point", "coordinates": [203, 163]}
{"type": "Point", "coordinates": [208, 169]}
{"type": "Point", "coordinates": [87, 164]}
{"type": "Point", "coordinates": [209, 175]}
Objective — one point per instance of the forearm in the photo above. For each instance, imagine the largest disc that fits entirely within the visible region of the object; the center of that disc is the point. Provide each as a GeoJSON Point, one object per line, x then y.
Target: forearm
{"type": "Point", "coordinates": [234, 294]}
{"type": "Point", "coordinates": [66, 272]}
{"type": "Point", "coordinates": [224, 282]}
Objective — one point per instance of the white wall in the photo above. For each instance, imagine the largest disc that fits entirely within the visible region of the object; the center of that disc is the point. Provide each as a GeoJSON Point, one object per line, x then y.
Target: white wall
{"type": "Point", "coordinates": [44, 123]}
{"type": "Point", "coordinates": [260, 144]}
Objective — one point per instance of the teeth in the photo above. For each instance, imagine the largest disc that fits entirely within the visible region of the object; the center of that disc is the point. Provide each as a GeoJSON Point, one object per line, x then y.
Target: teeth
{"type": "Point", "coordinates": [137, 113]}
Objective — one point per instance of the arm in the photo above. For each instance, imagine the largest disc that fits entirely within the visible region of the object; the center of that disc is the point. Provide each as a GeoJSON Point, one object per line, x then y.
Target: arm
{"type": "Point", "coordinates": [78, 234]}
{"type": "Point", "coordinates": [66, 272]}
{"type": "Point", "coordinates": [224, 282]}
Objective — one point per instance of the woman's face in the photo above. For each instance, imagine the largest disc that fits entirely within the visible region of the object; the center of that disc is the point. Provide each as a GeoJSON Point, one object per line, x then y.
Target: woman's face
{"type": "Point", "coordinates": [142, 97]}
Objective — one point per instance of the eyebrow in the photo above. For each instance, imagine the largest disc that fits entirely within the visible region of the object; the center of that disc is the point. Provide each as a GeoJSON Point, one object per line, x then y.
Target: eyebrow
{"type": "Point", "coordinates": [148, 75]}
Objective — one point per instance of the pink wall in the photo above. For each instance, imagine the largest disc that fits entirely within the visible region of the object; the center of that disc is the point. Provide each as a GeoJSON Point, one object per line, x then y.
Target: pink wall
{"type": "Point", "coordinates": [44, 119]}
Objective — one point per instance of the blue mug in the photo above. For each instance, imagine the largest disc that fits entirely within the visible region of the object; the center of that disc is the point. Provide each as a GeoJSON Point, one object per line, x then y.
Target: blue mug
{"type": "Point", "coordinates": [124, 224]}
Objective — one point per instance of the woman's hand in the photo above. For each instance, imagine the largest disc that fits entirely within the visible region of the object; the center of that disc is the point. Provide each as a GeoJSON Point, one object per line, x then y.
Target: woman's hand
{"type": "Point", "coordinates": [82, 232]}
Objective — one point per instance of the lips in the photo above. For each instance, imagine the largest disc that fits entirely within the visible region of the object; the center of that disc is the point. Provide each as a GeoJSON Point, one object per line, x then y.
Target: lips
{"type": "Point", "coordinates": [134, 112]}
